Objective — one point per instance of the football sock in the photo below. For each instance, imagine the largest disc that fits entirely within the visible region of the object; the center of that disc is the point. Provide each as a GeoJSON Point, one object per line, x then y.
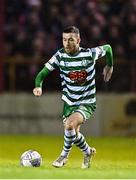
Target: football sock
{"type": "Point", "coordinates": [69, 138]}
{"type": "Point", "coordinates": [82, 144]}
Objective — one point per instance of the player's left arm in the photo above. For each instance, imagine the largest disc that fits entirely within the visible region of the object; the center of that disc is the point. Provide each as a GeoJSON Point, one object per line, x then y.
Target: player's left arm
{"type": "Point", "coordinates": [101, 51]}
{"type": "Point", "coordinates": [108, 69]}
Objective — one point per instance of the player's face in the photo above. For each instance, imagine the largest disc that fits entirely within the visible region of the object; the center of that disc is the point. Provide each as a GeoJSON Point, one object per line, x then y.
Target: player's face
{"type": "Point", "coordinates": [71, 42]}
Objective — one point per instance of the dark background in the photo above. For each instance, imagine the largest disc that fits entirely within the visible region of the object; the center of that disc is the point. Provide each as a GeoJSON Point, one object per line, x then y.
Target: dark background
{"type": "Point", "coordinates": [31, 33]}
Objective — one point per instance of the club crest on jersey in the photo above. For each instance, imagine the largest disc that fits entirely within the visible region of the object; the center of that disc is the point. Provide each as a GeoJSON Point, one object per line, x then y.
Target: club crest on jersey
{"type": "Point", "coordinates": [84, 62]}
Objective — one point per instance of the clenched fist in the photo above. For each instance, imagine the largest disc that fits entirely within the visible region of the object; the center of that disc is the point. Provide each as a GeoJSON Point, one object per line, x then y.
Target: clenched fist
{"type": "Point", "coordinates": [37, 91]}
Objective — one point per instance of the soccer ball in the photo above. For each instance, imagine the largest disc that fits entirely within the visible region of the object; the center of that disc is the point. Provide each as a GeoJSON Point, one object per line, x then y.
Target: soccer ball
{"type": "Point", "coordinates": [31, 158]}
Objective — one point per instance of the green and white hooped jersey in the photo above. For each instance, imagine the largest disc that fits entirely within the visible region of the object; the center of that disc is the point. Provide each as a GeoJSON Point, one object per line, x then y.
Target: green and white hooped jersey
{"type": "Point", "coordinates": [77, 73]}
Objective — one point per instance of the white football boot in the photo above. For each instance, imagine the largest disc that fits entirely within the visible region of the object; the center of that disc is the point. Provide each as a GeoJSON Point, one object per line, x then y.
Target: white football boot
{"type": "Point", "coordinates": [60, 161]}
{"type": "Point", "coordinates": [88, 158]}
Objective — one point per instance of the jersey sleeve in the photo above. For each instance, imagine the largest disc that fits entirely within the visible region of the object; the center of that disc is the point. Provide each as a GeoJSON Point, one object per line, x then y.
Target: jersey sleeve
{"type": "Point", "coordinates": [97, 52]}
{"type": "Point", "coordinates": [53, 63]}
{"type": "Point", "coordinates": [101, 51]}
{"type": "Point", "coordinates": [49, 66]}
{"type": "Point", "coordinates": [40, 77]}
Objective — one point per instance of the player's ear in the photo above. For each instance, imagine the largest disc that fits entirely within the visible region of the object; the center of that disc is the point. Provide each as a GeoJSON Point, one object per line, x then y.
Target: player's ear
{"type": "Point", "coordinates": [78, 40]}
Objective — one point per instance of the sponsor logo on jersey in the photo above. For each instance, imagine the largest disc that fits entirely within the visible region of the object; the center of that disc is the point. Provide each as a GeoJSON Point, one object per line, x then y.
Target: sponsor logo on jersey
{"type": "Point", "coordinates": [78, 76]}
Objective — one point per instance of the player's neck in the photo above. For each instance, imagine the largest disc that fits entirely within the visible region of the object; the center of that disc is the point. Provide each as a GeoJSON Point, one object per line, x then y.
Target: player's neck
{"type": "Point", "coordinates": [74, 53]}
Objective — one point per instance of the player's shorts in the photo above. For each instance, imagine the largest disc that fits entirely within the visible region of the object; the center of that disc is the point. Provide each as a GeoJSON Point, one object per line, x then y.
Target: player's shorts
{"type": "Point", "coordinates": [85, 109]}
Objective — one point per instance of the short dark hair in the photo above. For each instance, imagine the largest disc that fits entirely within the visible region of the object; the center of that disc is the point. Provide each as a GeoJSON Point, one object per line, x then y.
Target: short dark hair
{"type": "Point", "coordinates": [71, 29]}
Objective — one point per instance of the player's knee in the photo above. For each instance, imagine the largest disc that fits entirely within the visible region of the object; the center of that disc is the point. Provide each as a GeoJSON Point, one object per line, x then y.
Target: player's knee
{"type": "Point", "coordinates": [69, 125]}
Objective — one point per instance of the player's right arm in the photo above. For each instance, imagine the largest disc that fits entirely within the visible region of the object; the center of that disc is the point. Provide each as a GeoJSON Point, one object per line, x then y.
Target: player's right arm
{"type": "Point", "coordinates": [37, 91]}
{"type": "Point", "coordinates": [49, 66]}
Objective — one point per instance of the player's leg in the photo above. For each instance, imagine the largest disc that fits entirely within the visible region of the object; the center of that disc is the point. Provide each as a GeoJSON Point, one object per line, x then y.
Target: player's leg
{"type": "Point", "coordinates": [70, 131]}
{"type": "Point", "coordinates": [80, 141]}
{"type": "Point", "coordinates": [88, 151]}
{"type": "Point", "coordinates": [70, 128]}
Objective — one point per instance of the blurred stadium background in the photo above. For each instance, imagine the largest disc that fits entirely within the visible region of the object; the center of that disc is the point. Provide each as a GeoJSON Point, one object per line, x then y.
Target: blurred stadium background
{"type": "Point", "coordinates": [31, 33]}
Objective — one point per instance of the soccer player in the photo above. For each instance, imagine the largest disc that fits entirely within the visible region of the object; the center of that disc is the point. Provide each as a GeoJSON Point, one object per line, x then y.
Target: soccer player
{"type": "Point", "coordinates": [77, 72]}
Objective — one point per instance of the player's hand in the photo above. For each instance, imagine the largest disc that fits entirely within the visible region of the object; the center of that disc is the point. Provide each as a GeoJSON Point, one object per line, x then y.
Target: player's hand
{"type": "Point", "coordinates": [37, 91]}
{"type": "Point", "coordinates": [107, 72]}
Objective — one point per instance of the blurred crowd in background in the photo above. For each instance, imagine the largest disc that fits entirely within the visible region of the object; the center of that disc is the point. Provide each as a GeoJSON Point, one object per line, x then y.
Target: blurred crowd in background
{"type": "Point", "coordinates": [33, 29]}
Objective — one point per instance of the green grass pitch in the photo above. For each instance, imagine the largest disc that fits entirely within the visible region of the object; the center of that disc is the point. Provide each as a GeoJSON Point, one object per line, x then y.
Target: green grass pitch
{"type": "Point", "coordinates": [115, 158]}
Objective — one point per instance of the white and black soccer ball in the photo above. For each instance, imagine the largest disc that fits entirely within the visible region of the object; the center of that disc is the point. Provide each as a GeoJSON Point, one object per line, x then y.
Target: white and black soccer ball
{"type": "Point", "coordinates": [31, 158]}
